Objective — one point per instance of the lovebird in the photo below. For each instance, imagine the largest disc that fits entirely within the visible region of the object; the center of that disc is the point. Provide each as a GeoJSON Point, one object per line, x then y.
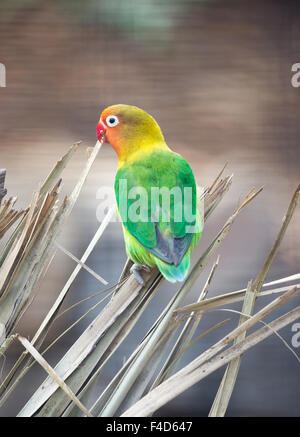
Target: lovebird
{"type": "Point", "coordinates": [155, 191]}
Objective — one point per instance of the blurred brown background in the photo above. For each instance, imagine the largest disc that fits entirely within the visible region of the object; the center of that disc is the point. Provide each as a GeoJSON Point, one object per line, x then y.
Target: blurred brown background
{"type": "Point", "coordinates": [216, 75]}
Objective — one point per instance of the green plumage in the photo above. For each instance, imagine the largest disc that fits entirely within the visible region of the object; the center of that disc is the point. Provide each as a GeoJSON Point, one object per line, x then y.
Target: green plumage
{"type": "Point", "coordinates": [156, 234]}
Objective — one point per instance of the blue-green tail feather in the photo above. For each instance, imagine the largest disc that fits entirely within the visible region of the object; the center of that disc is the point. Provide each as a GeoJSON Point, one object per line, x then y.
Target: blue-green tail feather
{"type": "Point", "coordinates": [174, 273]}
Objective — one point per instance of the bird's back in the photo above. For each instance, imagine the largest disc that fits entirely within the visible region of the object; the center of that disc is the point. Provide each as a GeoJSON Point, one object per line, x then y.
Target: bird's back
{"type": "Point", "coordinates": [160, 186]}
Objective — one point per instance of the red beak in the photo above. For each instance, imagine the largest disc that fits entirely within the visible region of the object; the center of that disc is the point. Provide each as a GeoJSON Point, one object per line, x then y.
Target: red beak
{"type": "Point", "coordinates": [101, 131]}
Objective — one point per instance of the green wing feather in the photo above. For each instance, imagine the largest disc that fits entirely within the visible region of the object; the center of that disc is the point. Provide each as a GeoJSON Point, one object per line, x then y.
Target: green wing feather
{"type": "Point", "coordinates": [166, 234]}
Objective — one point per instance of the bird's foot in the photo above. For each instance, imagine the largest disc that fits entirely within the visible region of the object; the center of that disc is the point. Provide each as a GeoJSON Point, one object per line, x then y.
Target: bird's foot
{"type": "Point", "coordinates": [135, 270]}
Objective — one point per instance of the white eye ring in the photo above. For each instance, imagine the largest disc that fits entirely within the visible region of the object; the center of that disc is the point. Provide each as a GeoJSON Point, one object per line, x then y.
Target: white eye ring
{"type": "Point", "coordinates": [112, 120]}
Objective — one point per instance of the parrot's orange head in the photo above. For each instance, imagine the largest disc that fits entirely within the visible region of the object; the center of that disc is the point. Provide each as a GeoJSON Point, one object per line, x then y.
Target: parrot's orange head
{"type": "Point", "coordinates": [129, 130]}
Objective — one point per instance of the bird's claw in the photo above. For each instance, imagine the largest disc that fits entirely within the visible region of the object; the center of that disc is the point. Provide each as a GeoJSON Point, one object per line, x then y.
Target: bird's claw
{"type": "Point", "coordinates": [135, 270]}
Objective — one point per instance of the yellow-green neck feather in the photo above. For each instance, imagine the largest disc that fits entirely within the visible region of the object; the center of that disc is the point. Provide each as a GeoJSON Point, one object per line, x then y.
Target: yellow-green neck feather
{"type": "Point", "coordinates": [138, 151]}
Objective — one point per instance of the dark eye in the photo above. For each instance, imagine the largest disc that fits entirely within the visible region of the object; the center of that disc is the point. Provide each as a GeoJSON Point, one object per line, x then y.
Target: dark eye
{"type": "Point", "coordinates": [112, 120]}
